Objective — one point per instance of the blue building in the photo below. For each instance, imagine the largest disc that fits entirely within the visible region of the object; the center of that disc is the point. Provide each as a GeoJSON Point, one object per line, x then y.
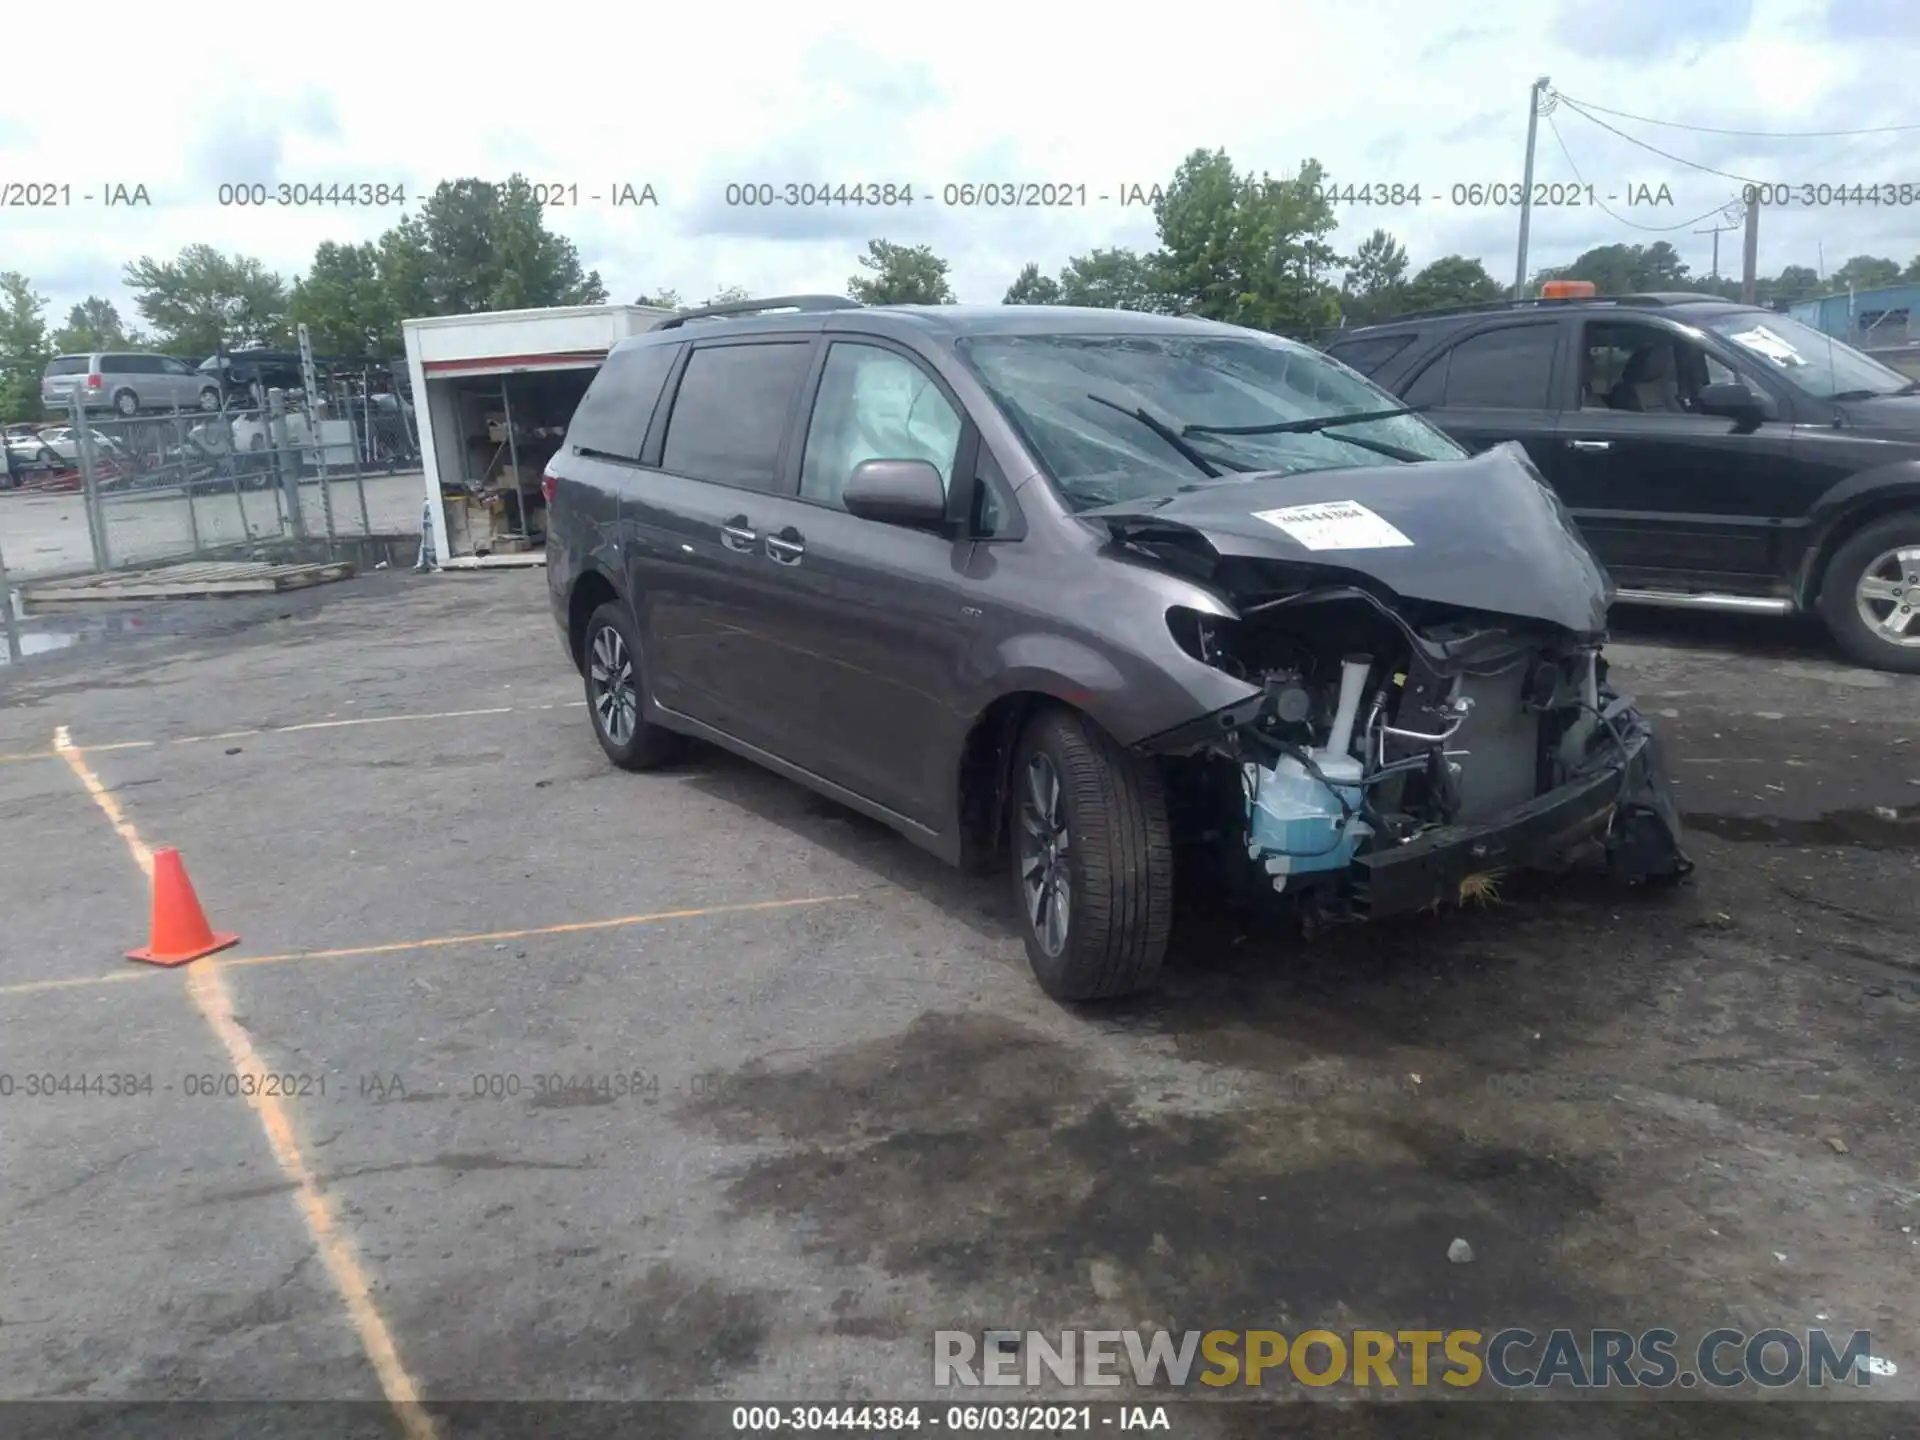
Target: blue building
{"type": "Point", "coordinates": [1869, 319]}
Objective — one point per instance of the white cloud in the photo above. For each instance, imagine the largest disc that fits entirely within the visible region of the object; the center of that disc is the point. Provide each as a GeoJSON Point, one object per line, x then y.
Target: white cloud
{"type": "Point", "coordinates": [689, 98]}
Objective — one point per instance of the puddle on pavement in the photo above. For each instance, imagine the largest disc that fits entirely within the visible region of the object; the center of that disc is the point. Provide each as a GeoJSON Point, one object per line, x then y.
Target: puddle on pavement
{"type": "Point", "coordinates": [39, 644]}
{"type": "Point", "coordinates": [1884, 827]}
{"type": "Point", "coordinates": [38, 638]}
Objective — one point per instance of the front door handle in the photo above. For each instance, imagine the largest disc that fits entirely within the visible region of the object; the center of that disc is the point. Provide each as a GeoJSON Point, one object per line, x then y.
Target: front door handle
{"type": "Point", "coordinates": [787, 547]}
{"type": "Point", "coordinates": [738, 534]}
{"type": "Point", "coordinates": [1593, 446]}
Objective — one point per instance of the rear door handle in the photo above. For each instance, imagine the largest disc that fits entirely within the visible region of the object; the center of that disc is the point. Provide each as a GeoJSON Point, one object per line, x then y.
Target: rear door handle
{"type": "Point", "coordinates": [787, 547]}
{"type": "Point", "coordinates": [1590, 445]}
{"type": "Point", "coordinates": [739, 534]}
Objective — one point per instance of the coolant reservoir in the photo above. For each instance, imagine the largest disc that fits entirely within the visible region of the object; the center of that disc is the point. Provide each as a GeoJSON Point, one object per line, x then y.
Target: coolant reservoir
{"type": "Point", "coordinates": [1295, 824]}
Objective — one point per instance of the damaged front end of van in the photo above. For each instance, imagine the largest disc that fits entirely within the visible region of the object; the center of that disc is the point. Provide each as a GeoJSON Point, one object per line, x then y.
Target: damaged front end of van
{"type": "Point", "coordinates": [1427, 706]}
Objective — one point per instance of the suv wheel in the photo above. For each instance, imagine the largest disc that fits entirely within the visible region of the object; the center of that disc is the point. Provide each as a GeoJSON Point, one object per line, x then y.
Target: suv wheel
{"type": "Point", "coordinates": [1091, 858]}
{"type": "Point", "coordinates": [125, 402]}
{"type": "Point", "coordinates": [612, 669]}
{"type": "Point", "coordinates": [1870, 597]}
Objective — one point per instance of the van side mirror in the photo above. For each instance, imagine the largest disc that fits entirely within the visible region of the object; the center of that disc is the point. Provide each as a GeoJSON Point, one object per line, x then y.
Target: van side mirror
{"type": "Point", "coordinates": [897, 492]}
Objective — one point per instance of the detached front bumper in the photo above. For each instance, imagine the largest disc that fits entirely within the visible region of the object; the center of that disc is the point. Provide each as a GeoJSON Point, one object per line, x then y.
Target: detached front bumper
{"type": "Point", "coordinates": [1620, 810]}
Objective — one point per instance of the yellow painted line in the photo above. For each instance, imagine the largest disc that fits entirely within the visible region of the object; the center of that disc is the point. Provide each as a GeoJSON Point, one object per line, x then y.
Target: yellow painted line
{"type": "Point", "coordinates": [574, 927]}
{"type": "Point", "coordinates": [208, 988]}
{"type": "Point", "coordinates": [34, 987]}
{"type": "Point", "coordinates": [437, 942]}
{"type": "Point", "coordinates": [56, 754]}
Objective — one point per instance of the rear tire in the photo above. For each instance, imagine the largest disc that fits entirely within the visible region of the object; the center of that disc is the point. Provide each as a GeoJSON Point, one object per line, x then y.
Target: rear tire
{"type": "Point", "coordinates": [610, 664]}
{"type": "Point", "coordinates": [126, 403]}
{"type": "Point", "coordinates": [1867, 583]}
{"type": "Point", "coordinates": [1091, 860]}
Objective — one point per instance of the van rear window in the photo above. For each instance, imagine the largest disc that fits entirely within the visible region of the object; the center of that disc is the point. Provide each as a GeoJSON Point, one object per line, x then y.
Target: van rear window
{"type": "Point", "coordinates": [68, 365]}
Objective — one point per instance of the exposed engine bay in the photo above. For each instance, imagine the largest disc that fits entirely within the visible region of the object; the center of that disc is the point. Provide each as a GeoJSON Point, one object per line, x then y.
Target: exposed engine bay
{"type": "Point", "coordinates": [1427, 703]}
{"type": "Point", "coordinates": [1372, 731]}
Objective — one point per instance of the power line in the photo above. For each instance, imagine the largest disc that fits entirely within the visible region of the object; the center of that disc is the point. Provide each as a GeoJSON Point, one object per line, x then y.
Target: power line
{"type": "Point", "coordinates": [1601, 204]}
{"type": "Point", "coordinates": [1663, 154]}
{"type": "Point", "coordinates": [1741, 134]}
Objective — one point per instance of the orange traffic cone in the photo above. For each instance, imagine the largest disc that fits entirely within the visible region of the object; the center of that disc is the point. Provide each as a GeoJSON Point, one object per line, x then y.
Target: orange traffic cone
{"type": "Point", "coordinates": [180, 931]}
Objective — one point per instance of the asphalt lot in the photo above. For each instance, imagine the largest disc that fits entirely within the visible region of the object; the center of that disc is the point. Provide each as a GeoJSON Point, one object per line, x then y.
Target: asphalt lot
{"type": "Point", "coordinates": [836, 1113]}
{"type": "Point", "coordinates": [47, 534]}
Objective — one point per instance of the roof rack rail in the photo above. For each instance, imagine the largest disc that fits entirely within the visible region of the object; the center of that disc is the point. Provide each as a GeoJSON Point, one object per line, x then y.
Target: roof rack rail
{"type": "Point", "coordinates": [757, 307]}
{"type": "Point", "coordinates": [1542, 302]}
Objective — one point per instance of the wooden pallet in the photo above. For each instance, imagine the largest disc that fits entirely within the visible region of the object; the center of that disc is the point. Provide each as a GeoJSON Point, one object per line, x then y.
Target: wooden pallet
{"type": "Point", "coordinates": [185, 582]}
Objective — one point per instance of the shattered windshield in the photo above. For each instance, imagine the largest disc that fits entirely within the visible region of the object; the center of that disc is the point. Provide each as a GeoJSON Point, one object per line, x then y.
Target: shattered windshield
{"type": "Point", "coordinates": [1116, 418]}
{"type": "Point", "coordinates": [1811, 361]}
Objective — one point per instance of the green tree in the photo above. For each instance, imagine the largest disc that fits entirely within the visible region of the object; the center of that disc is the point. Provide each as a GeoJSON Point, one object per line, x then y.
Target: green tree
{"type": "Point", "coordinates": [1030, 287]}
{"type": "Point", "coordinates": [344, 302]}
{"type": "Point", "coordinates": [1451, 280]}
{"type": "Point", "coordinates": [662, 300]}
{"type": "Point", "coordinates": [1117, 279]}
{"type": "Point", "coordinates": [94, 324]}
{"type": "Point", "coordinates": [728, 295]}
{"type": "Point", "coordinates": [1375, 279]}
{"type": "Point", "coordinates": [1866, 272]}
{"type": "Point", "coordinates": [1912, 272]}
{"type": "Point", "coordinates": [1248, 249]}
{"type": "Point", "coordinates": [204, 299]}
{"type": "Point", "coordinates": [24, 349]}
{"type": "Point", "coordinates": [901, 275]}
{"type": "Point", "coordinates": [475, 246]}
{"type": "Point", "coordinates": [1630, 269]}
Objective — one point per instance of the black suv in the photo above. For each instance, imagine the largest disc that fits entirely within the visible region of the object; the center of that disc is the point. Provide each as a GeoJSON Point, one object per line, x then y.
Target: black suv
{"type": "Point", "coordinates": [1714, 455]}
{"type": "Point", "coordinates": [1086, 591]}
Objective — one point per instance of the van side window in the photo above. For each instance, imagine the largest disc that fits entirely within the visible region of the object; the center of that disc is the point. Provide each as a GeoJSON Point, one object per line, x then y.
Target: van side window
{"type": "Point", "coordinates": [731, 410]}
{"type": "Point", "coordinates": [874, 404]}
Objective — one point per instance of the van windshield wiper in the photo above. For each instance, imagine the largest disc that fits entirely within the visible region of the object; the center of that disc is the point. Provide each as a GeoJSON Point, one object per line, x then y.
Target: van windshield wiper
{"type": "Point", "coordinates": [1209, 468]}
{"type": "Point", "coordinates": [1311, 425]}
{"type": "Point", "coordinates": [1318, 424]}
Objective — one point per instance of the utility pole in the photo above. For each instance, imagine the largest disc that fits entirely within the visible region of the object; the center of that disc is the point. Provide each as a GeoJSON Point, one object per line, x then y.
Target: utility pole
{"type": "Point", "coordinates": [1750, 249]}
{"type": "Point", "coordinates": [1716, 231]}
{"type": "Point", "coordinates": [1534, 96]}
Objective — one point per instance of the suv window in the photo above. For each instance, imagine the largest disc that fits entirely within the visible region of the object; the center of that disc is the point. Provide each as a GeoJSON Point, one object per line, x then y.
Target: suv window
{"type": "Point", "coordinates": [1370, 354]}
{"type": "Point", "coordinates": [69, 365]}
{"type": "Point", "coordinates": [874, 404]}
{"type": "Point", "coordinates": [130, 364]}
{"type": "Point", "coordinates": [174, 367]}
{"type": "Point", "coordinates": [612, 417]}
{"type": "Point", "coordinates": [1643, 369]}
{"type": "Point", "coordinates": [1506, 369]}
{"type": "Point", "coordinates": [731, 410]}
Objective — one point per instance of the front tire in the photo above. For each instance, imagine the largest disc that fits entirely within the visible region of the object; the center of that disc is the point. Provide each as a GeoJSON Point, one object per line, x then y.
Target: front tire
{"type": "Point", "coordinates": [610, 664]}
{"type": "Point", "coordinates": [1870, 596]}
{"type": "Point", "coordinates": [1092, 860]}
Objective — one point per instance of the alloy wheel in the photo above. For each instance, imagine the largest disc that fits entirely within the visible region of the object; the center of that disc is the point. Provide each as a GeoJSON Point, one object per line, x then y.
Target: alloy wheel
{"type": "Point", "coordinates": [1889, 594]}
{"type": "Point", "coordinates": [616, 701]}
{"type": "Point", "coordinates": [1044, 877]}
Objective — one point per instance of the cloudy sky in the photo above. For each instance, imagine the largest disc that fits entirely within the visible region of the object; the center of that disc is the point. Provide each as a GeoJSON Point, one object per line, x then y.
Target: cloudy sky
{"type": "Point", "coordinates": [690, 100]}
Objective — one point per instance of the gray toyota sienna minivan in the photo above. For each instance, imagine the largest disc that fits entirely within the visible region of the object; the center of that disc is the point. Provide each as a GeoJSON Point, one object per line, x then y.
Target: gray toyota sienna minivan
{"type": "Point", "coordinates": [1074, 590]}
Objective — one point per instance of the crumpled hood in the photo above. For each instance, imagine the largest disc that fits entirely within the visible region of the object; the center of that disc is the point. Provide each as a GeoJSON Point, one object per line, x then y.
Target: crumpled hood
{"type": "Point", "coordinates": [1483, 533]}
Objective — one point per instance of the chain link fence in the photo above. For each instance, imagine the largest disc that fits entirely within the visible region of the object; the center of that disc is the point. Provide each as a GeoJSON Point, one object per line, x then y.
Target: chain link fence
{"type": "Point", "coordinates": [123, 492]}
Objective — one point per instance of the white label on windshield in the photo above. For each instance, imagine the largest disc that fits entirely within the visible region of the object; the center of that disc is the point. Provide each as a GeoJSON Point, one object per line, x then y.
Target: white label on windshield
{"type": "Point", "coordinates": [1763, 341]}
{"type": "Point", "coordinates": [1334, 525]}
